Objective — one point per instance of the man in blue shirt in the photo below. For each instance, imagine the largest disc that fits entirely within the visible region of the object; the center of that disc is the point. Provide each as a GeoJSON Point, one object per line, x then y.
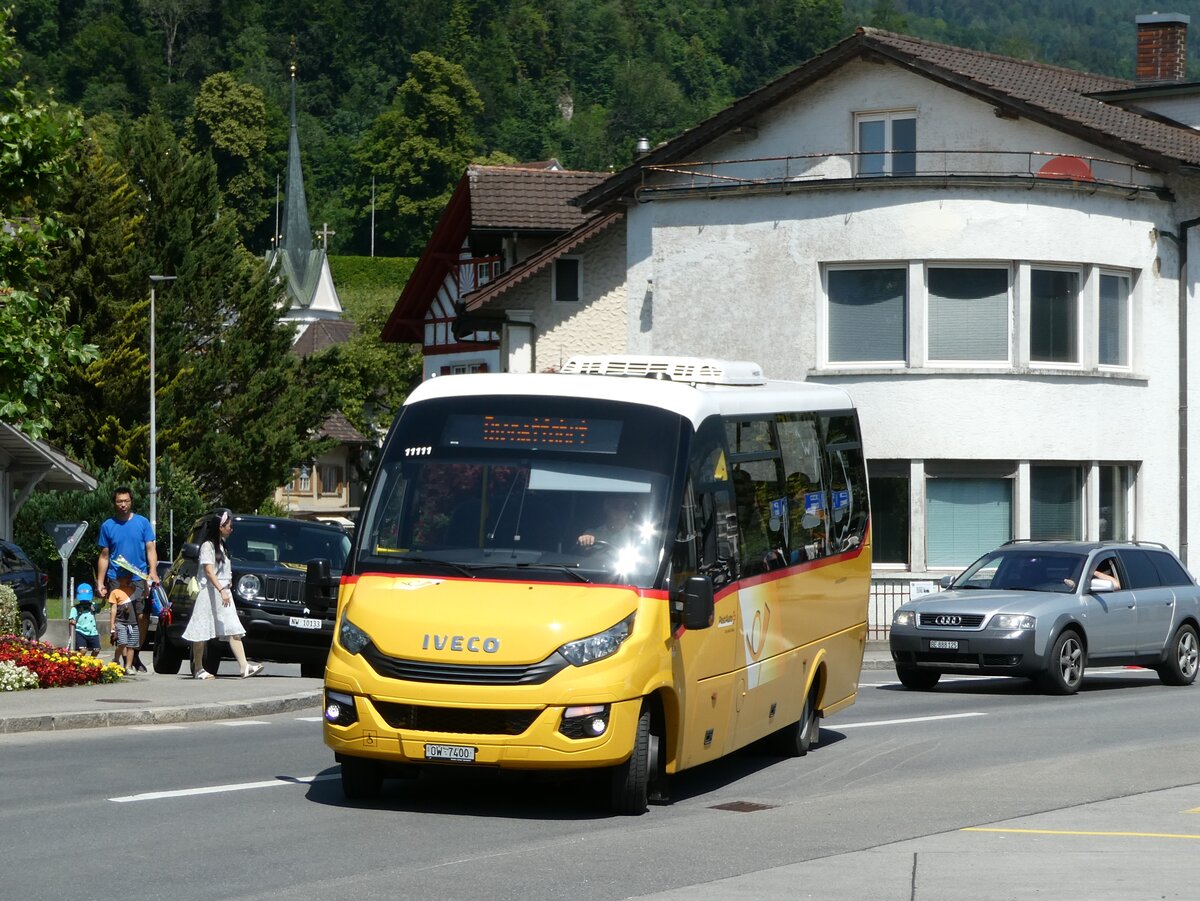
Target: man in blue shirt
{"type": "Point", "coordinates": [129, 535]}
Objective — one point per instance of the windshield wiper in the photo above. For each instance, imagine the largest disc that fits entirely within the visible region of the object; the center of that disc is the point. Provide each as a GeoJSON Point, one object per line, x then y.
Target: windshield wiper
{"type": "Point", "coordinates": [458, 567]}
{"type": "Point", "coordinates": [569, 569]}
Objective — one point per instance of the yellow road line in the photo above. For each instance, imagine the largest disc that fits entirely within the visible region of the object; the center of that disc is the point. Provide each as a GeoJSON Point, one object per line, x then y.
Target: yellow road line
{"type": "Point", "coordinates": [1080, 832]}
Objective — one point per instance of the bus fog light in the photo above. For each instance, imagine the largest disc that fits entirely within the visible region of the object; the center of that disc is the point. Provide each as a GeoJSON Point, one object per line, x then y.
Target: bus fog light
{"type": "Point", "coordinates": [340, 709]}
{"type": "Point", "coordinates": [585, 722]}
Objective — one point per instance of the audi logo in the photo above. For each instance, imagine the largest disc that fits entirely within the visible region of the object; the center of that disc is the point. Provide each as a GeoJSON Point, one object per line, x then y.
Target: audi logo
{"type": "Point", "coordinates": [947, 620]}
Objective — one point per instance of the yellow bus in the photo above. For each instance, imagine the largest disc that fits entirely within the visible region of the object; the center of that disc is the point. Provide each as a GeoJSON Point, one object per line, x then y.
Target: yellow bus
{"type": "Point", "coordinates": [638, 563]}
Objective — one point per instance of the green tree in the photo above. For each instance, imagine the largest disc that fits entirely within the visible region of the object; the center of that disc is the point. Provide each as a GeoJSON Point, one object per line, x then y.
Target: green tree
{"type": "Point", "coordinates": [235, 407]}
{"type": "Point", "coordinates": [36, 343]}
{"type": "Point", "coordinates": [418, 147]}
{"type": "Point", "coordinates": [231, 122]}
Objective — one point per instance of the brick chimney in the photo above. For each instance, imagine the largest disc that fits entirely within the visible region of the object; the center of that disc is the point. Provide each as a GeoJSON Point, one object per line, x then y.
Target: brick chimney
{"type": "Point", "coordinates": [1162, 47]}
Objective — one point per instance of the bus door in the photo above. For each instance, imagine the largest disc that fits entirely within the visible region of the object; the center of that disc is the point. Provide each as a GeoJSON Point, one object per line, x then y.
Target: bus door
{"type": "Point", "coordinates": [706, 544]}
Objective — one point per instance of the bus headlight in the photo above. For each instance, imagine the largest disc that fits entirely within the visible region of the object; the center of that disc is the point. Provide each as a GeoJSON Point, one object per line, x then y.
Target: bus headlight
{"type": "Point", "coordinates": [598, 646]}
{"type": "Point", "coordinates": [353, 638]}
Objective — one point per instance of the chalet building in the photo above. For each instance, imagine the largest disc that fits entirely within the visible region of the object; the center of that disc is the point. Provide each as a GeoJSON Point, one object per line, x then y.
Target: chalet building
{"type": "Point", "coordinates": [993, 256]}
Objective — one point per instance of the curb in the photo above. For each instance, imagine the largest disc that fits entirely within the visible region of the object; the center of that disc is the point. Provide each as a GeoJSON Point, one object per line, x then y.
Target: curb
{"type": "Point", "coordinates": [218, 710]}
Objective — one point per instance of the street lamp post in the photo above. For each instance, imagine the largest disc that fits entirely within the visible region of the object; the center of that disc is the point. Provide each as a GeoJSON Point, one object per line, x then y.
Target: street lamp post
{"type": "Point", "coordinates": [154, 281]}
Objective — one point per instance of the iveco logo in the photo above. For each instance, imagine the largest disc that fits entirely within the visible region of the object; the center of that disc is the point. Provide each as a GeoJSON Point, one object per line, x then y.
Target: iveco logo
{"type": "Point", "coordinates": [474, 643]}
{"type": "Point", "coordinates": [947, 620]}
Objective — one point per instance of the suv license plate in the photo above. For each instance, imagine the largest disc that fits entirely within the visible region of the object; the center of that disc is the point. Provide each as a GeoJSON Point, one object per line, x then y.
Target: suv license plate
{"type": "Point", "coordinates": [452, 753]}
{"type": "Point", "coordinates": [943, 645]}
{"type": "Point", "coordinates": [302, 622]}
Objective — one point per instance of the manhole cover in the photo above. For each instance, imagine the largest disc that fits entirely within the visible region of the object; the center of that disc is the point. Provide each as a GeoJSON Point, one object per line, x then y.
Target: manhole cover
{"type": "Point", "coordinates": [122, 701]}
{"type": "Point", "coordinates": [743, 806]}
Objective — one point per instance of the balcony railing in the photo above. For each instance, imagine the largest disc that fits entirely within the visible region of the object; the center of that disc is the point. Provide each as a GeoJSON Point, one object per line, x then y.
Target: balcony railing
{"type": "Point", "coordinates": [811, 170]}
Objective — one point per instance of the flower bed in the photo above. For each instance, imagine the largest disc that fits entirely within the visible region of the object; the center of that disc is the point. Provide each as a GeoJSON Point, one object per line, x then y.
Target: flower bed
{"type": "Point", "coordinates": [51, 666]}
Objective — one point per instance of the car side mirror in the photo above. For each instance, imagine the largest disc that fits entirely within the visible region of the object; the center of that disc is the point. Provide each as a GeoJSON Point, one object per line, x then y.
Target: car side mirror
{"type": "Point", "coordinates": [1096, 586]}
{"type": "Point", "coordinates": [190, 551]}
{"type": "Point", "coordinates": [946, 581]}
{"type": "Point", "coordinates": [317, 588]}
{"type": "Point", "coordinates": [697, 603]}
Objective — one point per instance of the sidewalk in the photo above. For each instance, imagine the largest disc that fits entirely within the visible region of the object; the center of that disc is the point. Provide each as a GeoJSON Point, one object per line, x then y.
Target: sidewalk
{"type": "Point", "coordinates": [153, 699]}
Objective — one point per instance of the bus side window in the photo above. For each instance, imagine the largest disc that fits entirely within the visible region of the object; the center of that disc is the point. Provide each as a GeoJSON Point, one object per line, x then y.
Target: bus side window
{"type": "Point", "coordinates": [707, 523]}
{"type": "Point", "coordinates": [807, 499]}
{"type": "Point", "coordinates": [758, 494]}
{"type": "Point", "coordinates": [849, 506]}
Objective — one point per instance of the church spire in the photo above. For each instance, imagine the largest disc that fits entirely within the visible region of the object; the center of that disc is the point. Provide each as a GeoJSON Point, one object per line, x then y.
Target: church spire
{"type": "Point", "coordinates": [297, 235]}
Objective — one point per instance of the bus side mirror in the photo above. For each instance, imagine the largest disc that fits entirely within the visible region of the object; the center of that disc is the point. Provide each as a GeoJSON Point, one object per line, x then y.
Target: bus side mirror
{"type": "Point", "coordinates": [316, 584]}
{"type": "Point", "coordinates": [698, 608]}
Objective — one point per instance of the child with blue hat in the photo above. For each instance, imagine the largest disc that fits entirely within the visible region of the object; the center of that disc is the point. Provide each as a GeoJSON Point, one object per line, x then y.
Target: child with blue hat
{"type": "Point", "coordinates": [85, 633]}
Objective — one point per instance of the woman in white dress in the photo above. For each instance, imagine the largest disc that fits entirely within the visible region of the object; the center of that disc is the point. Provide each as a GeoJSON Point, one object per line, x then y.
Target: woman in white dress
{"type": "Point", "coordinates": [213, 614]}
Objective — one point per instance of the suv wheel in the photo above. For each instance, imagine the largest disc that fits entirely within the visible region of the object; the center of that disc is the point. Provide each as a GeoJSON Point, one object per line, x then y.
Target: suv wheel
{"type": "Point", "coordinates": [1183, 658]}
{"type": "Point", "coordinates": [29, 626]}
{"type": "Point", "coordinates": [167, 657]}
{"type": "Point", "coordinates": [1065, 666]}
{"type": "Point", "coordinates": [918, 678]}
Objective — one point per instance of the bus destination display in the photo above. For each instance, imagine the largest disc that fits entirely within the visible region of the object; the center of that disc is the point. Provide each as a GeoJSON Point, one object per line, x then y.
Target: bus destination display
{"type": "Point", "coordinates": [516, 432]}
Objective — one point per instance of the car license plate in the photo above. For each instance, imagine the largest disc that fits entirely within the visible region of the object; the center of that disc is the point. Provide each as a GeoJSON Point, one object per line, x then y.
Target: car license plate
{"type": "Point", "coordinates": [943, 645]}
{"type": "Point", "coordinates": [452, 753]}
{"type": "Point", "coordinates": [303, 622]}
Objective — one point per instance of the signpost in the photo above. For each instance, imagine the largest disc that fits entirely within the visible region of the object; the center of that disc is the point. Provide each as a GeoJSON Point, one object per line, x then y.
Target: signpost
{"type": "Point", "coordinates": [66, 537]}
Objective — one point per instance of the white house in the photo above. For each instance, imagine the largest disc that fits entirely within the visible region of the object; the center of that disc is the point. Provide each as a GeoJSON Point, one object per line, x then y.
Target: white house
{"type": "Point", "coordinates": [990, 254]}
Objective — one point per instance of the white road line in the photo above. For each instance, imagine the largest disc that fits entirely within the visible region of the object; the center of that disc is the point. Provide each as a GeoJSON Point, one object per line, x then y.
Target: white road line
{"type": "Point", "coordinates": [310, 719]}
{"type": "Point", "coordinates": [218, 789]}
{"type": "Point", "coordinates": [242, 723]}
{"type": "Point", "coordinates": [160, 727]}
{"type": "Point", "coordinates": [915, 719]}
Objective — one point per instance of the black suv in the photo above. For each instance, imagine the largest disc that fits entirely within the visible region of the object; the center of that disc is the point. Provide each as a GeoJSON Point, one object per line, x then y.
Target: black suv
{"type": "Point", "coordinates": [285, 578]}
{"type": "Point", "coordinates": [29, 584]}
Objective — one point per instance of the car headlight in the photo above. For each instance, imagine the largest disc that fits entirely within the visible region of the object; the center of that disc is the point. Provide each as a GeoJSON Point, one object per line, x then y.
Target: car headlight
{"type": "Point", "coordinates": [904, 618]}
{"type": "Point", "coordinates": [249, 586]}
{"type": "Point", "coordinates": [598, 646]}
{"type": "Point", "coordinates": [353, 638]}
{"type": "Point", "coordinates": [1012, 622]}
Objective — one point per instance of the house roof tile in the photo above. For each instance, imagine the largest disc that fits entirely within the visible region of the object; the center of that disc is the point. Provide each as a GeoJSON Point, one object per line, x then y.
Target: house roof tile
{"type": "Point", "coordinates": [322, 334]}
{"type": "Point", "coordinates": [511, 197]}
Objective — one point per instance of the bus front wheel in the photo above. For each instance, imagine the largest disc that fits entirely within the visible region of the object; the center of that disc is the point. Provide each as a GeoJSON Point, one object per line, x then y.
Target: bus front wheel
{"type": "Point", "coordinates": [641, 777]}
{"type": "Point", "coordinates": [796, 739]}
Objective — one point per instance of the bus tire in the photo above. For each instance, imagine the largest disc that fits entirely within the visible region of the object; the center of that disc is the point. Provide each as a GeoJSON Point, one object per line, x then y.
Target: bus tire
{"type": "Point", "coordinates": [362, 780]}
{"type": "Point", "coordinates": [796, 739]}
{"type": "Point", "coordinates": [630, 786]}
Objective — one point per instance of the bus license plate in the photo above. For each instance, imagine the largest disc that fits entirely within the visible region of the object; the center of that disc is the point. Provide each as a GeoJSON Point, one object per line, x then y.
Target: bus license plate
{"type": "Point", "coordinates": [943, 645]}
{"type": "Point", "coordinates": [452, 753]}
{"type": "Point", "coordinates": [303, 622]}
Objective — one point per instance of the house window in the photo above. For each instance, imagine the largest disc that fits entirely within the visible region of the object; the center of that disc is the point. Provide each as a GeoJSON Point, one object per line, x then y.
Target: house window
{"type": "Point", "coordinates": [1113, 337]}
{"type": "Point", "coordinates": [968, 314]}
{"type": "Point", "coordinates": [1055, 502]}
{"type": "Point", "coordinates": [965, 518]}
{"type": "Point", "coordinates": [331, 478]}
{"type": "Point", "coordinates": [568, 280]}
{"type": "Point", "coordinates": [1115, 485]}
{"type": "Point", "coordinates": [889, 514]}
{"type": "Point", "coordinates": [301, 481]}
{"type": "Point", "coordinates": [464, 368]}
{"type": "Point", "coordinates": [887, 143]}
{"type": "Point", "coordinates": [1053, 316]}
{"type": "Point", "coordinates": [868, 315]}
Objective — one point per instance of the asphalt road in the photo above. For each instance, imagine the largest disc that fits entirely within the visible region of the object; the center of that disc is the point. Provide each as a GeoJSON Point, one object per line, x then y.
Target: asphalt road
{"type": "Point", "coordinates": [253, 809]}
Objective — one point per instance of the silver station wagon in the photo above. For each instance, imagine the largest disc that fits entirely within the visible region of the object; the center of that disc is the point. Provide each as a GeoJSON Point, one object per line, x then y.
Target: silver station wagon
{"type": "Point", "coordinates": [1048, 609]}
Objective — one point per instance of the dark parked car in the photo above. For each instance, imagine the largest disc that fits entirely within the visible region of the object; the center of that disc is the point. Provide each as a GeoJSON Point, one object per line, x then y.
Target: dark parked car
{"type": "Point", "coordinates": [29, 584]}
{"type": "Point", "coordinates": [285, 578]}
{"type": "Point", "coordinates": [1048, 609]}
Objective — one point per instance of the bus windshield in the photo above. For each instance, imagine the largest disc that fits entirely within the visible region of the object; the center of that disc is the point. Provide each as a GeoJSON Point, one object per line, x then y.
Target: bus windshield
{"type": "Point", "coordinates": [524, 488]}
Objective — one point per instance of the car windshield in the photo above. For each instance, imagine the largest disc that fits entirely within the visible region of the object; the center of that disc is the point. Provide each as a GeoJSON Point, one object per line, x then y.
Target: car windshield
{"type": "Point", "coordinates": [1024, 569]}
{"type": "Point", "coordinates": [540, 488]}
{"type": "Point", "coordinates": [291, 543]}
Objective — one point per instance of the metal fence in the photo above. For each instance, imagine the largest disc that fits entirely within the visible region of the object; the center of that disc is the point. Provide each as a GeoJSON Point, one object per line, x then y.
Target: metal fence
{"type": "Point", "coordinates": [888, 593]}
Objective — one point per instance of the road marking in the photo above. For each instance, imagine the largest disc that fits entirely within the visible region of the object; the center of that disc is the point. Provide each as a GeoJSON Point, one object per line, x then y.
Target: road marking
{"type": "Point", "coordinates": [915, 719]}
{"type": "Point", "coordinates": [161, 727]}
{"type": "Point", "coordinates": [219, 789]}
{"type": "Point", "coordinates": [242, 723]}
{"type": "Point", "coordinates": [310, 719]}
{"type": "Point", "coordinates": [1082, 832]}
